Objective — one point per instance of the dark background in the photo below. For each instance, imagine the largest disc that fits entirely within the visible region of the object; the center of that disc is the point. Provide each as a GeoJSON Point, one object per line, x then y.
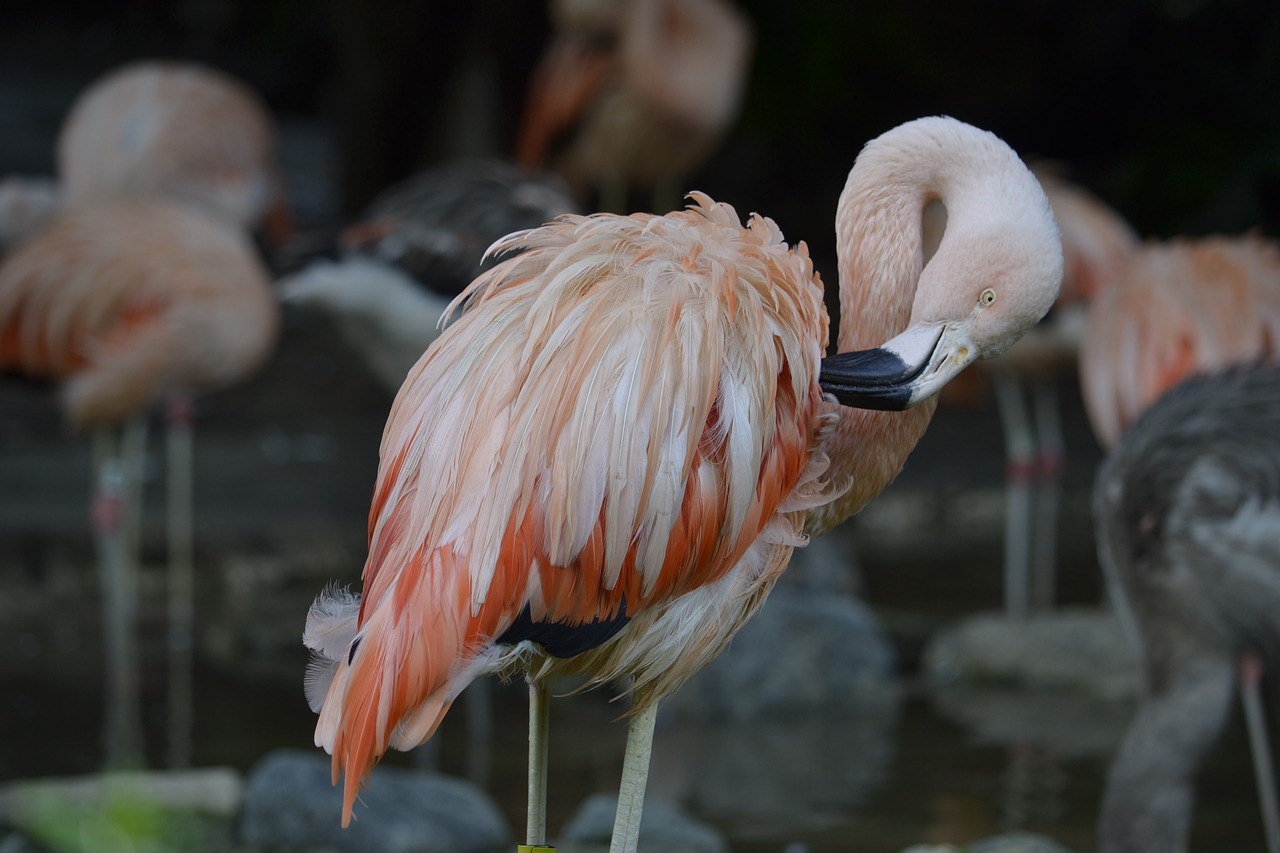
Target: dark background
{"type": "Point", "coordinates": [1168, 110]}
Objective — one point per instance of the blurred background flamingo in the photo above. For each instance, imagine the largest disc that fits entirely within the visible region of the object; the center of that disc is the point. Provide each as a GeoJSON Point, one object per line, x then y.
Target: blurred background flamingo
{"type": "Point", "coordinates": [1183, 309]}
{"type": "Point", "coordinates": [1183, 306]}
{"type": "Point", "coordinates": [1188, 528]}
{"type": "Point", "coordinates": [631, 96]}
{"type": "Point", "coordinates": [197, 138]}
{"type": "Point", "coordinates": [418, 245]}
{"type": "Point", "coordinates": [179, 130]}
{"type": "Point", "coordinates": [126, 304]}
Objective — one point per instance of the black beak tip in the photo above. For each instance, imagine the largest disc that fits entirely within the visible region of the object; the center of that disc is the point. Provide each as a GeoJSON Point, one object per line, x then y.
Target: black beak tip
{"type": "Point", "coordinates": [868, 379]}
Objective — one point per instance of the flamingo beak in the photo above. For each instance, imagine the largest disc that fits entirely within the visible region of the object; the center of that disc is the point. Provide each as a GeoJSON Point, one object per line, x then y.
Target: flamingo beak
{"type": "Point", "coordinates": [901, 372]}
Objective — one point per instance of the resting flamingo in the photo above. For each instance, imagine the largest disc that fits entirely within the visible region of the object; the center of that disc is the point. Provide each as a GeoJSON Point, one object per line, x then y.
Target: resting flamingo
{"type": "Point", "coordinates": [124, 304]}
{"type": "Point", "coordinates": [1184, 306]}
{"type": "Point", "coordinates": [603, 465]}
{"type": "Point", "coordinates": [634, 94]}
{"type": "Point", "coordinates": [175, 129]}
{"type": "Point", "coordinates": [1096, 245]}
{"type": "Point", "coordinates": [1187, 508]}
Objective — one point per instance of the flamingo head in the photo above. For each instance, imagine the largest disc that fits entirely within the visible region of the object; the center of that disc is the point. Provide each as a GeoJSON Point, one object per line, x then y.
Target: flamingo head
{"type": "Point", "coordinates": [995, 272]}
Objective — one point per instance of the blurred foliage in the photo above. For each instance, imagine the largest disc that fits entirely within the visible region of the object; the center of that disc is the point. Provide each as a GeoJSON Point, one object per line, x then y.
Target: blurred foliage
{"type": "Point", "coordinates": [121, 821]}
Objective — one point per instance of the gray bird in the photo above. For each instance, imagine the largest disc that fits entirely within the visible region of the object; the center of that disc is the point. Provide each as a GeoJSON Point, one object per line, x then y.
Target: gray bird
{"type": "Point", "coordinates": [1187, 510]}
{"type": "Point", "coordinates": [416, 246]}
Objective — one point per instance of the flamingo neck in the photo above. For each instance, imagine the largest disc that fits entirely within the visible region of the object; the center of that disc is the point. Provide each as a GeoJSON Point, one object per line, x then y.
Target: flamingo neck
{"type": "Point", "coordinates": [881, 235]}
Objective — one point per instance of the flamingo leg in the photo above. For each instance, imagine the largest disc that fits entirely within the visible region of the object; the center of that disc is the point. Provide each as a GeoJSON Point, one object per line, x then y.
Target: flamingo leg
{"type": "Point", "coordinates": [1019, 460]}
{"type": "Point", "coordinates": [1044, 540]}
{"type": "Point", "coordinates": [1250, 697]}
{"type": "Point", "coordinates": [122, 734]}
{"type": "Point", "coordinates": [181, 608]}
{"type": "Point", "coordinates": [133, 444]}
{"type": "Point", "coordinates": [635, 776]}
{"type": "Point", "coordinates": [539, 720]}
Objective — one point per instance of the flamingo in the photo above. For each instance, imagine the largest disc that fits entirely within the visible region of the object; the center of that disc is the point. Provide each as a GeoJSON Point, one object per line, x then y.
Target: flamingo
{"type": "Point", "coordinates": [418, 245]}
{"type": "Point", "coordinates": [1187, 508]}
{"type": "Point", "coordinates": [1096, 245]}
{"type": "Point", "coordinates": [125, 303]}
{"type": "Point", "coordinates": [1183, 306]}
{"type": "Point", "coordinates": [184, 131]}
{"type": "Point", "coordinates": [634, 93]}
{"type": "Point", "coordinates": [602, 466]}
{"type": "Point", "coordinates": [177, 129]}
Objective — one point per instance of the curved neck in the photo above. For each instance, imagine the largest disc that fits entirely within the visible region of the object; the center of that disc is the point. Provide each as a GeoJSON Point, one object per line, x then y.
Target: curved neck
{"type": "Point", "coordinates": [881, 240]}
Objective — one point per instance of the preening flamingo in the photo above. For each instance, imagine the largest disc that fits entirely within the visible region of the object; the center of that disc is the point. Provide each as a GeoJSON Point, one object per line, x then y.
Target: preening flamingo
{"type": "Point", "coordinates": [603, 464]}
{"type": "Point", "coordinates": [1187, 508]}
{"type": "Point", "coordinates": [1096, 245]}
{"type": "Point", "coordinates": [634, 94]}
{"type": "Point", "coordinates": [126, 303]}
{"type": "Point", "coordinates": [174, 129]}
{"type": "Point", "coordinates": [418, 245]}
{"type": "Point", "coordinates": [1182, 307]}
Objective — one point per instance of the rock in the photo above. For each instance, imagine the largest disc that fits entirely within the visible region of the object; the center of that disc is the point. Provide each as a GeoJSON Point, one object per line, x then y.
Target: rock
{"type": "Point", "coordinates": [13, 841]}
{"type": "Point", "coordinates": [663, 829]}
{"type": "Point", "coordinates": [760, 780]}
{"type": "Point", "coordinates": [1072, 650]}
{"type": "Point", "coordinates": [804, 650]}
{"type": "Point", "coordinates": [291, 806]}
{"type": "Point", "coordinates": [1071, 726]}
{"type": "Point", "coordinates": [828, 563]}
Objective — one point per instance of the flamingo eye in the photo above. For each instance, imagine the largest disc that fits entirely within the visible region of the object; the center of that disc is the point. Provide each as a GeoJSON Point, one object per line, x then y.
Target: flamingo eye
{"type": "Point", "coordinates": [987, 297]}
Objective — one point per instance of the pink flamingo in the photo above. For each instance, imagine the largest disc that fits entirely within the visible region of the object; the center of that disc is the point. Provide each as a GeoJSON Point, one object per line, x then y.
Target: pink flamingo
{"type": "Point", "coordinates": [124, 304]}
{"type": "Point", "coordinates": [634, 93]}
{"type": "Point", "coordinates": [603, 465]}
{"type": "Point", "coordinates": [175, 129]}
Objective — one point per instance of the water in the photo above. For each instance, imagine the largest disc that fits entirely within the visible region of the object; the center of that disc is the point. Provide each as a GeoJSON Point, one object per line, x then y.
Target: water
{"type": "Point", "coordinates": [918, 778]}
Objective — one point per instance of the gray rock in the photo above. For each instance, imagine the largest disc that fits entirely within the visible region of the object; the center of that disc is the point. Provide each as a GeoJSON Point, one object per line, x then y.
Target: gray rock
{"type": "Point", "coordinates": [760, 780]}
{"type": "Point", "coordinates": [663, 829]}
{"type": "Point", "coordinates": [1071, 726]}
{"type": "Point", "coordinates": [804, 650]}
{"type": "Point", "coordinates": [12, 841]}
{"type": "Point", "coordinates": [828, 563]}
{"type": "Point", "coordinates": [1018, 842]}
{"type": "Point", "coordinates": [1076, 650]}
{"type": "Point", "coordinates": [291, 806]}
